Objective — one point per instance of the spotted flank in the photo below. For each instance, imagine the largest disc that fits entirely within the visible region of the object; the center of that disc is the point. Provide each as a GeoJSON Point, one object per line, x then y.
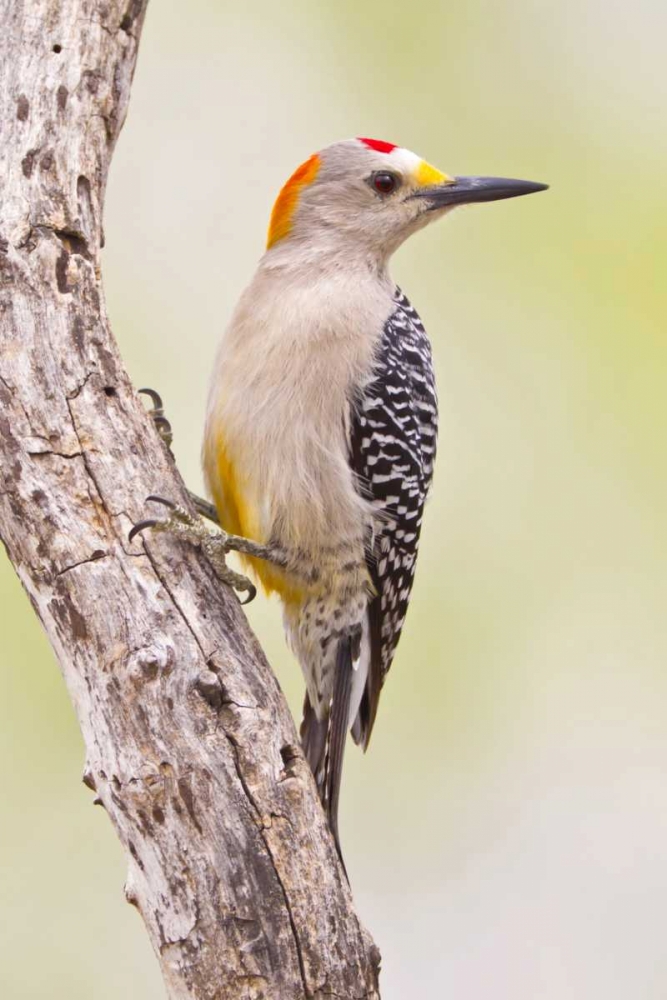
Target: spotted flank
{"type": "Point", "coordinates": [350, 638]}
{"type": "Point", "coordinates": [393, 451]}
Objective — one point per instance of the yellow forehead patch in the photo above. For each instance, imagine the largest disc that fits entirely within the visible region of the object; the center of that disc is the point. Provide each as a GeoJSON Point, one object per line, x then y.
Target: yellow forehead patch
{"type": "Point", "coordinates": [426, 175]}
{"type": "Point", "coordinates": [286, 202]}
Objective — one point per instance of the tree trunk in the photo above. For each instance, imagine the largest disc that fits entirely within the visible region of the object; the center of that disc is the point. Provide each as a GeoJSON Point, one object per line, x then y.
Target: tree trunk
{"type": "Point", "coordinates": [190, 746]}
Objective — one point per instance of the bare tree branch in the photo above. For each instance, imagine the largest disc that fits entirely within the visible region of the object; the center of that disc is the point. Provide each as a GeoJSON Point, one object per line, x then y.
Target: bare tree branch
{"type": "Point", "coordinates": [190, 746]}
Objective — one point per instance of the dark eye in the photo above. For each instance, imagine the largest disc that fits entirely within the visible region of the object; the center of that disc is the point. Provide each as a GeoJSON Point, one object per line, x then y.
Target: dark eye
{"type": "Point", "coordinates": [384, 183]}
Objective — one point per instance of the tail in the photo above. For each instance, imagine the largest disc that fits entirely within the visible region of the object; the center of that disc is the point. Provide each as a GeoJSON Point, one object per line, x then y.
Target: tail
{"type": "Point", "coordinates": [323, 740]}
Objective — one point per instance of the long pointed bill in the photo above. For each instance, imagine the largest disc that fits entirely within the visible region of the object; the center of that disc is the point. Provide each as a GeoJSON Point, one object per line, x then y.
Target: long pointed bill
{"type": "Point", "coordinates": [467, 190]}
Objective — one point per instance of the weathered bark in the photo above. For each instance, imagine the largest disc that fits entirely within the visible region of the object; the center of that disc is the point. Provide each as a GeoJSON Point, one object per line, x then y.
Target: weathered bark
{"type": "Point", "coordinates": [190, 746]}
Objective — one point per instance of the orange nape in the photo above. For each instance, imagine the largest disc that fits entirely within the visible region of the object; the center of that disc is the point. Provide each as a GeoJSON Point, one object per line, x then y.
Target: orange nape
{"type": "Point", "coordinates": [286, 202]}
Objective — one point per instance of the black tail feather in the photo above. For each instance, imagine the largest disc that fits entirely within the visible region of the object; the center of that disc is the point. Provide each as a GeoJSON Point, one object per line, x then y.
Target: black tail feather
{"type": "Point", "coordinates": [313, 734]}
{"type": "Point", "coordinates": [324, 740]}
{"type": "Point", "coordinates": [337, 736]}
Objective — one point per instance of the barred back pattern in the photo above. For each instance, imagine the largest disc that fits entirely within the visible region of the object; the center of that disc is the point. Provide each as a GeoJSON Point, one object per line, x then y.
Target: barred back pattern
{"type": "Point", "coordinates": [393, 450]}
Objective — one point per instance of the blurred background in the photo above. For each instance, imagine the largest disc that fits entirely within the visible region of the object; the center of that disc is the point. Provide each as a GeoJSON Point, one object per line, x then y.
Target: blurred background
{"type": "Point", "coordinates": [506, 835]}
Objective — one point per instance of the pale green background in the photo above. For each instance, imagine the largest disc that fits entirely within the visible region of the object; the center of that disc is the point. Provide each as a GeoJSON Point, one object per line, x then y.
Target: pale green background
{"type": "Point", "coordinates": [506, 835]}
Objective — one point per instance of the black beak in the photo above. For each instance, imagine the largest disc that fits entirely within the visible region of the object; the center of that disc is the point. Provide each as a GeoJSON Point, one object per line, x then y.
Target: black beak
{"type": "Point", "coordinates": [466, 190]}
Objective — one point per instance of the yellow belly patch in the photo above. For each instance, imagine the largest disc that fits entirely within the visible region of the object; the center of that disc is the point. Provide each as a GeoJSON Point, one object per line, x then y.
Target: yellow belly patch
{"type": "Point", "coordinates": [239, 517]}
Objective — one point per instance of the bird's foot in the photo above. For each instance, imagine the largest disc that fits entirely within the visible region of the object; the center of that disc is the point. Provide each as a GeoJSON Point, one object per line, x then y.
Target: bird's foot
{"type": "Point", "coordinates": [156, 413]}
{"type": "Point", "coordinates": [163, 427]}
{"type": "Point", "coordinates": [214, 542]}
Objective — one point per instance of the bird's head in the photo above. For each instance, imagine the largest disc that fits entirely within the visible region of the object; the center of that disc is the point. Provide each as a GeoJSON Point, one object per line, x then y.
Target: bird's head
{"type": "Point", "coordinates": [368, 196]}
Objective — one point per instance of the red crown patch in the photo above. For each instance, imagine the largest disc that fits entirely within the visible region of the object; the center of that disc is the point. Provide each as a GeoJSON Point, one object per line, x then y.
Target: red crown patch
{"type": "Point", "coordinates": [378, 145]}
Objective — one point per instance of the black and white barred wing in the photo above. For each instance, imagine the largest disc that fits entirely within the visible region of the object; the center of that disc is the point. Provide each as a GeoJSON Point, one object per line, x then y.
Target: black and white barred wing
{"type": "Point", "coordinates": [393, 449]}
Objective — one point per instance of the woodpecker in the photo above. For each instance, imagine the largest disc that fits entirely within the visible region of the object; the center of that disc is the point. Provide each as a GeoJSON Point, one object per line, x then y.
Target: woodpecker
{"type": "Point", "coordinates": [321, 428]}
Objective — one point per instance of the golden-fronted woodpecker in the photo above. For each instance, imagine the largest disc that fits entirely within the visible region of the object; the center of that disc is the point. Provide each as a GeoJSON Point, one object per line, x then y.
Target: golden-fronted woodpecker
{"type": "Point", "coordinates": [321, 429]}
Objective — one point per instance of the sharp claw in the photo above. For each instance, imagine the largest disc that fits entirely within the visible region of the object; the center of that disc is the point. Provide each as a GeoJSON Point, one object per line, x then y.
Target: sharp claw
{"type": "Point", "coordinates": [180, 516]}
{"type": "Point", "coordinates": [161, 423]}
{"type": "Point", "coordinates": [252, 594]}
{"type": "Point", "coordinates": [140, 526]}
{"type": "Point", "coordinates": [154, 397]}
{"type": "Point", "coordinates": [167, 503]}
